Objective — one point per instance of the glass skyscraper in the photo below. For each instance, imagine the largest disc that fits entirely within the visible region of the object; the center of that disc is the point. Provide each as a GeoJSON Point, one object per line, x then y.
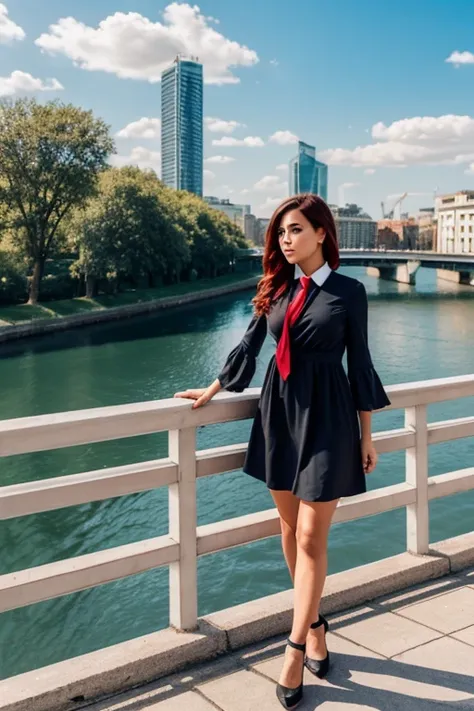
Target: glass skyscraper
{"type": "Point", "coordinates": [308, 175]}
{"type": "Point", "coordinates": [181, 126]}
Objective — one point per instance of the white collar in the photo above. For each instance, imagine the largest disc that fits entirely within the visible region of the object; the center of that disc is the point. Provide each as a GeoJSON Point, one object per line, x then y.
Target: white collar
{"type": "Point", "coordinates": [319, 276]}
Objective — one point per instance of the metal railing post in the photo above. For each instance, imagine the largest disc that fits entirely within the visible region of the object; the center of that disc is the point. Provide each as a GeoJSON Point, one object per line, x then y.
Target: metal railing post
{"type": "Point", "coordinates": [416, 459]}
{"type": "Point", "coordinates": [183, 529]}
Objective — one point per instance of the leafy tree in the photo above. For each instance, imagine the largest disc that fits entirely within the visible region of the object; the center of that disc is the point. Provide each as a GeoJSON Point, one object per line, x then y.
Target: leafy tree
{"type": "Point", "coordinates": [352, 210]}
{"type": "Point", "coordinates": [137, 228]}
{"type": "Point", "coordinates": [50, 159]}
{"type": "Point", "coordinates": [13, 282]}
{"type": "Point", "coordinates": [211, 235]}
{"type": "Point", "coordinates": [126, 231]}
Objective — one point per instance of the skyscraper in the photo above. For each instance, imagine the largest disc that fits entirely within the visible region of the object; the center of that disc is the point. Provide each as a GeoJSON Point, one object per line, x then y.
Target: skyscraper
{"type": "Point", "coordinates": [308, 175]}
{"type": "Point", "coordinates": [181, 125]}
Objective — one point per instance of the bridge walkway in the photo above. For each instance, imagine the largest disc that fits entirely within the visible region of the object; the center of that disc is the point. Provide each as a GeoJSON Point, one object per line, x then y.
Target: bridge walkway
{"type": "Point", "coordinates": [409, 651]}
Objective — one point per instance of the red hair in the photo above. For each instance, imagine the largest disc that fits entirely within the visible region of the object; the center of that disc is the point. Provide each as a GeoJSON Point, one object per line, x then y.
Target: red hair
{"type": "Point", "coordinates": [277, 272]}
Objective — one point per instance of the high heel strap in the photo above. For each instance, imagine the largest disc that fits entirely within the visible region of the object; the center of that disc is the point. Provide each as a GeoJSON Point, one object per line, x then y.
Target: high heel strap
{"type": "Point", "coordinates": [295, 645]}
{"type": "Point", "coordinates": [321, 621]}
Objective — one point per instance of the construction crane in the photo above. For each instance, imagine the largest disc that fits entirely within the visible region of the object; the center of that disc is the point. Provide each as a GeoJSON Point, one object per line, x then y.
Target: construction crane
{"type": "Point", "coordinates": [389, 215]}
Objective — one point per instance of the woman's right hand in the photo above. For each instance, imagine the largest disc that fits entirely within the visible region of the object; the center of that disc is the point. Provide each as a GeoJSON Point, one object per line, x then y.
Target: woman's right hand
{"type": "Point", "coordinates": [200, 395]}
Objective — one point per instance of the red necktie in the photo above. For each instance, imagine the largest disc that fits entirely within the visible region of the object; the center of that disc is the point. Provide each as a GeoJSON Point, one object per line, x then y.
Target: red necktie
{"type": "Point", "coordinates": [292, 313]}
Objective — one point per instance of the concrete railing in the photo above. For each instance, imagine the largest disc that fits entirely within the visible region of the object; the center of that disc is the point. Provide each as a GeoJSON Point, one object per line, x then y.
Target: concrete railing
{"type": "Point", "coordinates": [179, 471]}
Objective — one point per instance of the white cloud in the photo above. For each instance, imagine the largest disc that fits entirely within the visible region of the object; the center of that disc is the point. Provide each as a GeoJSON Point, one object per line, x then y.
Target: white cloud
{"type": "Point", "coordinates": [140, 156]}
{"type": "Point", "coordinates": [274, 62]}
{"type": "Point", "coordinates": [418, 140]}
{"type": "Point", "coordinates": [369, 171]}
{"type": "Point", "coordinates": [283, 138]}
{"type": "Point", "coordinates": [282, 167]}
{"type": "Point", "coordinates": [133, 47]}
{"type": "Point", "coordinates": [270, 204]}
{"type": "Point", "coordinates": [425, 129]}
{"type": "Point", "coordinates": [23, 83]}
{"type": "Point", "coordinates": [143, 128]}
{"type": "Point", "coordinates": [349, 185]}
{"type": "Point", "coordinates": [217, 125]}
{"type": "Point", "coordinates": [249, 141]}
{"type": "Point", "coordinates": [271, 183]}
{"type": "Point", "coordinates": [208, 174]}
{"type": "Point", "coordinates": [219, 159]}
{"type": "Point", "coordinates": [458, 58]}
{"type": "Point", "coordinates": [9, 30]}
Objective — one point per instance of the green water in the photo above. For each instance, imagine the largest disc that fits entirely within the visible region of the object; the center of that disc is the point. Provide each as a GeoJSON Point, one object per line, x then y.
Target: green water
{"type": "Point", "coordinates": [415, 334]}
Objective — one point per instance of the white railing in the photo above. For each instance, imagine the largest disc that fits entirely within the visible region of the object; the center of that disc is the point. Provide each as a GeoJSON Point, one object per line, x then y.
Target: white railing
{"type": "Point", "coordinates": [185, 540]}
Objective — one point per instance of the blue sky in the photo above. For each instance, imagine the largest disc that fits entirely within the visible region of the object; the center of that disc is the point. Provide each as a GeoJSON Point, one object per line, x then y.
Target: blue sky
{"type": "Point", "coordinates": [368, 83]}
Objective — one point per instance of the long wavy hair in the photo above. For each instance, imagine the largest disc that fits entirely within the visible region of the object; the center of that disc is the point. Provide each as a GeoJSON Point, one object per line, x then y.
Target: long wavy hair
{"type": "Point", "coordinates": [277, 272]}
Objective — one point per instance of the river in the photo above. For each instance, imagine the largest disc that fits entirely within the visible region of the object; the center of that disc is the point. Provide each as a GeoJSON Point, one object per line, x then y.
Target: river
{"type": "Point", "coordinates": [416, 333]}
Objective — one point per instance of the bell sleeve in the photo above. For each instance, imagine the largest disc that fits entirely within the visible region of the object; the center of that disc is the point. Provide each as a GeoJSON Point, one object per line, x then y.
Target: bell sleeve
{"type": "Point", "coordinates": [367, 389]}
{"type": "Point", "coordinates": [241, 362]}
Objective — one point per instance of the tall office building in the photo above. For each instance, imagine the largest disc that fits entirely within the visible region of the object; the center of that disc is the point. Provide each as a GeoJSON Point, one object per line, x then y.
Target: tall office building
{"type": "Point", "coordinates": [308, 175]}
{"type": "Point", "coordinates": [181, 125]}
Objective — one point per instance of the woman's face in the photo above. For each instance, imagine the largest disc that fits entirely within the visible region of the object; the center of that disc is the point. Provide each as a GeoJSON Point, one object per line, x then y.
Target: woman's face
{"type": "Point", "coordinates": [297, 237]}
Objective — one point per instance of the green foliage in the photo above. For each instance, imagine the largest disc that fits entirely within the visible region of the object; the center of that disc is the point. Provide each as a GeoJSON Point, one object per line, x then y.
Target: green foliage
{"type": "Point", "coordinates": [137, 230]}
{"type": "Point", "coordinates": [50, 157]}
{"type": "Point", "coordinates": [13, 281]}
{"type": "Point", "coordinates": [58, 282]}
{"type": "Point", "coordinates": [66, 215]}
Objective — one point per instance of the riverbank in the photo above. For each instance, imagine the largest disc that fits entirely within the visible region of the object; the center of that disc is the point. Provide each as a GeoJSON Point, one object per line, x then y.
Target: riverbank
{"type": "Point", "coordinates": [24, 321]}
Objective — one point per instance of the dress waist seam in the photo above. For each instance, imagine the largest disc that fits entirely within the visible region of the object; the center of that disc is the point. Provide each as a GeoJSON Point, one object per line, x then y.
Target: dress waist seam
{"type": "Point", "coordinates": [315, 356]}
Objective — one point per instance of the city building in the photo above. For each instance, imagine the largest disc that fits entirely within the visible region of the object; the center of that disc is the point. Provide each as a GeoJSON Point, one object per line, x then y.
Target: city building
{"type": "Point", "coordinates": [426, 229]}
{"type": "Point", "coordinates": [251, 228]}
{"type": "Point", "coordinates": [356, 232]}
{"type": "Point", "coordinates": [236, 213]}
{"type": "Point", "coordinates": [355, 229]}
{"type": "Point", "coordinates": [182, 125]}
{"type": "Point", "coordinates": [398, 234]}
{"type": "Point", "coordinates": [455, 218]}
{"type": "Point", "coordinates": [262, 223]}
{"type": "Point", "coordinates": [308, 175]}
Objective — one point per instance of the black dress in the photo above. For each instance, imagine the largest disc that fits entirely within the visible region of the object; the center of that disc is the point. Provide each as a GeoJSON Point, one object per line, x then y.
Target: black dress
{"type": "Point", "coordinates": [305, 436]}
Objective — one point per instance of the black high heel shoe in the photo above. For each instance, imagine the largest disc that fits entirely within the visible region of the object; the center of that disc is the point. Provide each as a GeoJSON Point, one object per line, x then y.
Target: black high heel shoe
{"type": "Point", "coordinates": [288, 697]}
{"type": "Point", "coordinates": [318, 667]}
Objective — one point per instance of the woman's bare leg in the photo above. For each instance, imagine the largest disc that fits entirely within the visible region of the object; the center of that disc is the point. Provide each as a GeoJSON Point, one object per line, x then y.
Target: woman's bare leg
{"type": "Point", "coordinates": [287, 505]}
{"type": "Point", "coordinates": [312, 528]}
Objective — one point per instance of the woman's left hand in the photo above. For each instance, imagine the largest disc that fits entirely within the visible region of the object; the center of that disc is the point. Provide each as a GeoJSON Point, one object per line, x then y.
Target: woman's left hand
{"type": "Point", "coordinates": [369, 456]}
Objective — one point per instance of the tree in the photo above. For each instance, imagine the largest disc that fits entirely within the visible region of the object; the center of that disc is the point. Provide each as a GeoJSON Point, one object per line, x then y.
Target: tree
{"type": "Point", "coordinates": [352, 210]}
{"type": "Point", "coordinates": [50, 159]}
{"type": "Point", "coordinates": [211, 235]}
{"type": "Point", "coordinates": [126, 231]}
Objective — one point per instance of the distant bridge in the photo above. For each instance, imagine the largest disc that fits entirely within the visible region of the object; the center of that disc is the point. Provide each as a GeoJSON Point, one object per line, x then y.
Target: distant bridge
{"type": "Point", "coordinates": [394, 265]}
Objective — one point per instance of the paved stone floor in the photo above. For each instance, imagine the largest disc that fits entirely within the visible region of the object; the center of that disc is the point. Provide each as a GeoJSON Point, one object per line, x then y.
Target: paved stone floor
{"type": "Point", "coordinates": [409, 651]}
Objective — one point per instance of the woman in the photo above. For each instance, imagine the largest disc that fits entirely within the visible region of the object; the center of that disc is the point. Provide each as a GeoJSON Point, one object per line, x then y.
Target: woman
{"type": "Point", "coordinates": [307, 443]}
